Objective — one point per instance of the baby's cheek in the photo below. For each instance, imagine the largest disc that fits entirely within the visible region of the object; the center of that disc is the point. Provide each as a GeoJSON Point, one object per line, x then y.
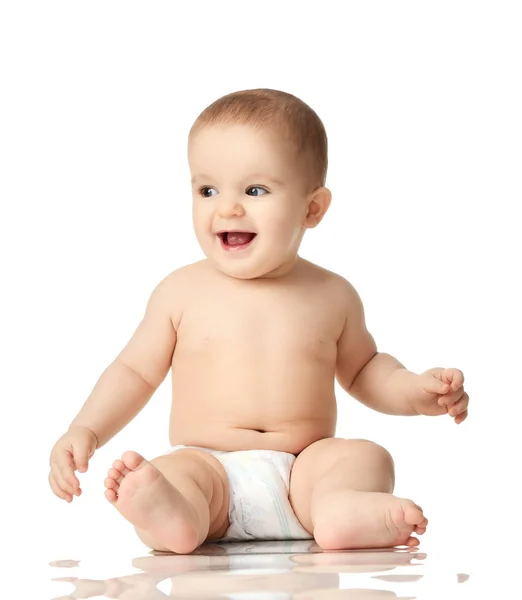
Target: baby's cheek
{"type": "Point", "coordinates": [288, 227]}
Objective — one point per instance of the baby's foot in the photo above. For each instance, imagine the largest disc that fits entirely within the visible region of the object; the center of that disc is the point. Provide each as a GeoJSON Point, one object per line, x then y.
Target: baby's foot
{"type": "Point", "coordinates": [354, 519]}
{"type": "Point", "coordinates": [145, 498]}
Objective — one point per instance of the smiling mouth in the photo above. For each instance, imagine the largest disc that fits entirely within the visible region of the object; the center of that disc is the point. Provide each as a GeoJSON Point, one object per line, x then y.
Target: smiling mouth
{"type": "Point", "coordinates": [236, 240]}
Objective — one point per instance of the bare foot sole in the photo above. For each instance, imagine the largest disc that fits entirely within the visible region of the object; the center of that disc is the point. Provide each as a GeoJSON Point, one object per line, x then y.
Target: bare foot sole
{"type": "Point", "coordinates": [353, 519]}
{"type": "Point", "coordinates": [145, 498]}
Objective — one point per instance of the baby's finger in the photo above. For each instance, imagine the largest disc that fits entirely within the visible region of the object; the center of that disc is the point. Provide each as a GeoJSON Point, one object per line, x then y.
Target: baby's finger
{"type": "Point", "coordinates": [461, 417]}
{"type": "Point", "coordinates": [67, 467]}
{"type": "Point", "coordinates": [57, 490]}
{"type": "Point", "coordinates": [432, 385]}
{"type": "Point", "coordinates": [450, 399]}
{"type": "Point", "coordinates": [455, 377]}
{"type": "Point", "coordinates": [81, 459]}
{"type": "Point", "coordinates": [60, 478]}
{"type": "Point", "coordinates": [460, 406]}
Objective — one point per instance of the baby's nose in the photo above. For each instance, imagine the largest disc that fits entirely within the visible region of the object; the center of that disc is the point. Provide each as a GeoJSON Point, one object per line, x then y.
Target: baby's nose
{"type": "Point", "coordinates": [230, 208]}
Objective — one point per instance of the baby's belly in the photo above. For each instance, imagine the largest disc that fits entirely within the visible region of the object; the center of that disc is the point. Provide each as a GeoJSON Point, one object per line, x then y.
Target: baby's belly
{"type": "Point", "coordinates": [290, 438]}
{"type": "Point", "coordinates": [227, 404]}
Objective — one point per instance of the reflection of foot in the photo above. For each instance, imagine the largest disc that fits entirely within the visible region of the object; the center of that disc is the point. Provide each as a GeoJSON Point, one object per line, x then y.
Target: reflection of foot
{"type": "Point", "coordinates": [145, 498]}
{"type": "Point", "coordinates": [83, 588]}
{"type": "Point", "coordinates": [128, 587]}
{"type": "Point", "coordinates": [357, 561]}
{"type": "Point", "coordinates": [353, 519]}
{"type": "Point", "coordinates": [168, 565]}
{"type": "Point", "coordinates": [353, 594]}
{"type": "Point", "coordinates": [135, 587]}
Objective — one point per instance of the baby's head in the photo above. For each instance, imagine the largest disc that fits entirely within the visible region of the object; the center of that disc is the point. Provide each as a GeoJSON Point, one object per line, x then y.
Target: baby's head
{"type": "Point", "coordinates": [258, 161]}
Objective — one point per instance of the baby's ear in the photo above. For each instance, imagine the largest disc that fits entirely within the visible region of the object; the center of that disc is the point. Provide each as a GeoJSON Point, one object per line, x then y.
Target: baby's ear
{"type": "Point", "coordinates": [318, 203]}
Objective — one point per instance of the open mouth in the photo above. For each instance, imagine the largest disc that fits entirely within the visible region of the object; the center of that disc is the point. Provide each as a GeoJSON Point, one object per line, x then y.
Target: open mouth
{"type": "Point", "coordinates": [236, 240]}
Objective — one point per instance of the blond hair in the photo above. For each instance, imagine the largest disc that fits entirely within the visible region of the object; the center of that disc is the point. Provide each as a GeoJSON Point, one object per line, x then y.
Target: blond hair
{"type": "Point", "coordinates": [288, 116]}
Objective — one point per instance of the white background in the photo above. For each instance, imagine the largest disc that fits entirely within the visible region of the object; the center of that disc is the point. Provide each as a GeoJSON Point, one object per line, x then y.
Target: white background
{"type": "Point", "coordinates": [421, 101]}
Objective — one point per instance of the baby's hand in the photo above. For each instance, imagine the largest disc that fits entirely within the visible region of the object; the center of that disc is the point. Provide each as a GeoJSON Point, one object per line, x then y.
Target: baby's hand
{"type": "Point", "coordinates": [440, 391]}
{"type": "Point", "coordinates": [71, 452]}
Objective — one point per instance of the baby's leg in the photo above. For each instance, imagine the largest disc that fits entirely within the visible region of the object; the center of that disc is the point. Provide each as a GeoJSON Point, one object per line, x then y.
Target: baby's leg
{"type": "Point", "coordinates": [175, 502]}
{"type": "Point", "coordinates": [341, 492]}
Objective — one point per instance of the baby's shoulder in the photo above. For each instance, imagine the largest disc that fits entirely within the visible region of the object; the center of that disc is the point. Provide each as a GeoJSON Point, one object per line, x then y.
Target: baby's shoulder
{"type": "Point", "coordinates": [187, 274]}
{"type": "Point", "coordinates": [336, 290]}
{"type": "Point", "coordinates": [335, 282]}
{"type": "Point", "coordinates": [180, 282]}
{"type": "Point", "coordinates": [175, 290]}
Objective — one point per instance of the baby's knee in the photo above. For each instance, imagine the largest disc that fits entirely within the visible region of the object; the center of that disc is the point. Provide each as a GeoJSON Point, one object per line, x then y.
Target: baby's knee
{"type": "Point", "coordinates": [379, 454]}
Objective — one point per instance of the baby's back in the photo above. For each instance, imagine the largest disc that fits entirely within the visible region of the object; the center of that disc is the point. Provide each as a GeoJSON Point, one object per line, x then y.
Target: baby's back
{"type": "Point", "coordinates": [254, 363]}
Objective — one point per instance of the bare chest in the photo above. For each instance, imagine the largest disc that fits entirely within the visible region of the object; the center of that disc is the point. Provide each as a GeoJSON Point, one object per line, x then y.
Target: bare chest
{"type": "Point", "coordinates": [266, 322]}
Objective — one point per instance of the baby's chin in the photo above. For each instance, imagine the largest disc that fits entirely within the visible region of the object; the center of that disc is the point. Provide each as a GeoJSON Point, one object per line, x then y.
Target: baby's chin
{"type": "Point", "coordinates": [256, 263]}
{"type": "Point", "coordinates": [248, 269]}
{"type": "Point", "coordinates": [238, 271]}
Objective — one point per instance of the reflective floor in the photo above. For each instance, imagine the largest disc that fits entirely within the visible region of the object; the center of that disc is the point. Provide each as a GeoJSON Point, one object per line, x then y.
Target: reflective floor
{"type": "Point", "coordinates": [263, 570]}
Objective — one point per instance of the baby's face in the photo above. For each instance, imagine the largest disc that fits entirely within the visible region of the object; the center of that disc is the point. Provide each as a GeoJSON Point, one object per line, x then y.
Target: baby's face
{"type": "Point", "coordinates": [244, 180]}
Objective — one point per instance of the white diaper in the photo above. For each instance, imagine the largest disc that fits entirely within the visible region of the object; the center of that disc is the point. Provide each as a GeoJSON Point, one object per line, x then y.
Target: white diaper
{"type": "Point", "coordinates": [259, 507]}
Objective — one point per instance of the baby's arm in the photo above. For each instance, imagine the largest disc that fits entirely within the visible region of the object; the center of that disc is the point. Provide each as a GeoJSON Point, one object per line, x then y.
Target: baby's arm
{"type": "Point", "coordinates": [131, 379]}
{"type": "Point", "coordinates": [365, 373]}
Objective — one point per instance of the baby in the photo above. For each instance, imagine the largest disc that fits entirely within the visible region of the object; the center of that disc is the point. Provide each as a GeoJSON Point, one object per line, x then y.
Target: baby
{"type": "Point", "coordinates": [256, 336]}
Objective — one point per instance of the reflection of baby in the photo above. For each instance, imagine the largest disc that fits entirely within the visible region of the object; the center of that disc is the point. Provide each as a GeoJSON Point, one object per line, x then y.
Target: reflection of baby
{"type": "Point", "coordinates": [131, 587]}
{"type": "Point", "coordinates": [255, 336]}
{"type": "Point", "coordinates": [354, 562]}
{"type": "Point", "coordinates": [315, 576]}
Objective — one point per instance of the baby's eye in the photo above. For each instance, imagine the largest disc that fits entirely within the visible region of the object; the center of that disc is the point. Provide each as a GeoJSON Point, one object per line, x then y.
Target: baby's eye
{"type": "Point", "coordinates": [257, 187]}
{"type": "Point", "coordinates": [203, 191]}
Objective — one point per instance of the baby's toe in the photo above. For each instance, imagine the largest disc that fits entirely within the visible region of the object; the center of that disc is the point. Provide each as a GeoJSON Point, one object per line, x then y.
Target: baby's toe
{"type": "Point", "coordinates": [119, 466]}
{"type": "Point", "coordinates": [421, 527]}
{"type": "Point", "coordinates": [111, 483]}
{"type": "Point", "coordinates": [133, 461]}
{"type": "Point", "coordinates": [413, 514]}
{"type": "Point", "coordinates": [411, 542]}
{"type": "Point", "coordinates": [115, 474]}
{"type": "Point", "coordinates": [111, 496]}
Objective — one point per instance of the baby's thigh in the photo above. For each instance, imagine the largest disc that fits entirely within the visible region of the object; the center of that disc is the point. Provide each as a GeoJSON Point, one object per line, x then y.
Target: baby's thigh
{"type": "Point", "coordinates": [320, 458]}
